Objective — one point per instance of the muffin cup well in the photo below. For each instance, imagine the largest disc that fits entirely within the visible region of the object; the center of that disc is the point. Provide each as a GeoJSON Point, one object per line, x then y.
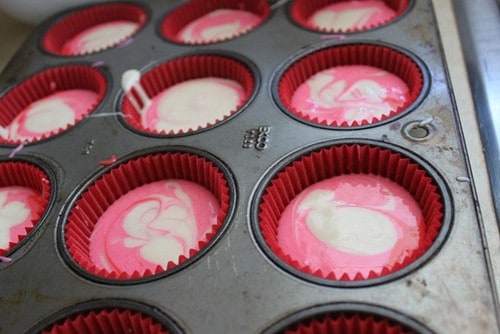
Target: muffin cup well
{"type": "Point", "coordinates": [127, 176]}
{"type": "Point", "coordinates": [173, 23]}
{"type": "Point", "coordinates": [108, 316]}
{"type": "Point", "coordinates": [383, 57]}
{"type": "Point", "coordinates": [351, 159]}
{"type": "Point", "coordinates": [45, 84]}
{"type": "Point", "coordinates": [179, 70]}
{"type": "Point", "coordinates": [302, 10]}
{"type": "Point", "coordinates": [69, 26]}
{"type": "Point", "coordinates": [347, 318]}
{"type": "Point", "coordinates": [24, 174]}
{"type": "Point", "coordinates": [347, 324]}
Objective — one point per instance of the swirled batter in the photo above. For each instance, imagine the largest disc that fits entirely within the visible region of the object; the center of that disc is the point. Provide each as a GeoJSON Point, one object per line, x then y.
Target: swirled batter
{"type": "Point", "coordinates": [350, 94]}
{"type": "Point", "coordinates": [153, 225]}
{"type": "Point", "coordinates": [18, 207]}
{"type": "Point", "coordinates": [351, 224]}
{"type": "Point", "coordinates": [218, 25]}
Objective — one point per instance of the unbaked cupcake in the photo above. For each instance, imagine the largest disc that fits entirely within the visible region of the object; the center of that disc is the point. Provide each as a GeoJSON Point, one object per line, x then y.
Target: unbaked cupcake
{"type": "Point", "coordinates": [350, 85]}
{"type": "Point", "coordinates": [334, 16]}
{"type": "Point", "coordinates": [147, 216]}
{"type": "Point", "coordinates": [350, 212]}
{"type": "Point", "coordinates": [187, 94]}
{"type": "Point", "coordinates": [211, 21]}
{"type": "Point", "coordinates": [93, 29]}
{"type": "Point", "coordinates": [50, 103]}
{"type": "Point", "coordinates": [25, 191]}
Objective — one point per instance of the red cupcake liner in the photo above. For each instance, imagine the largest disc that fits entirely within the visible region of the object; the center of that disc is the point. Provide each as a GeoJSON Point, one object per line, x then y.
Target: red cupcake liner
{"type": "Point", "coordinates": [174, 22]}
{"type": "Point", "coordinates": [350, 159]}
{"type": "Point", "coordinates": [44, 84]}
{"type": "Point", "coordinates": [73, 24]}
{"type": "Point", "coordinates": [187, 68]}
{"type": "Point", "coordinates": [373, 55]}
{"type": "Point", "coordinates": [15, 173]}
{"type": "Point", "coordinates": [127, 176]}
{"type": "Point", "coordinates": [107, 321]}
{"type": "Point", "coordinates": [302, 10]}
{"type": "Point", "coordinates": [349, 323]}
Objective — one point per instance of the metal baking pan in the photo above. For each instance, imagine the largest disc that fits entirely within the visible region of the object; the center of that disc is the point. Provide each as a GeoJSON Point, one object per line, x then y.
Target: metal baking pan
{"type": "Point", "coordinates": [235, 285]}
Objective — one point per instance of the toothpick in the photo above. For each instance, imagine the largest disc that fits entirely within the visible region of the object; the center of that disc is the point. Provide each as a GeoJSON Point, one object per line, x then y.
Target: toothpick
{"type": "Point", "coordinates": [131, 80]}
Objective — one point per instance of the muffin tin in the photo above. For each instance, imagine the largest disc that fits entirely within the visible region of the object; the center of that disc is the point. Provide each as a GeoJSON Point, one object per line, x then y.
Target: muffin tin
{"type": "Point", "coordinates": [237, 282]}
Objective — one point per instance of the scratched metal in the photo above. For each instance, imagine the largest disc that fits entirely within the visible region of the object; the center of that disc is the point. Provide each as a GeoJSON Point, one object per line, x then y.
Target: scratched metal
{"type": "Point", "coordinates": [235, 287]}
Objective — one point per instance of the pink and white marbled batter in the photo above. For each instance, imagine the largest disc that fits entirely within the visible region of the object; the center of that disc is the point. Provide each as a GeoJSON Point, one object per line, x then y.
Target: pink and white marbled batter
{"type": "Point", "coordinates": [52, 113]}
{"type": "Point", "coordinates": [192, 104]}
{"type": "Point", "coordinates": [351, 224]}
{"type": "Point", "coordinates": [99, 37]}
{"type": "Point", "coordinates": [218, 25]}
{"type": "Point", "coordinates": [18, 207]}
{"type": "Point", "coordinates": [351, 93]}
{"type": "Point", "coordinates": [351, 15]}
{"type": "Point", "coordinates": [153, 225]}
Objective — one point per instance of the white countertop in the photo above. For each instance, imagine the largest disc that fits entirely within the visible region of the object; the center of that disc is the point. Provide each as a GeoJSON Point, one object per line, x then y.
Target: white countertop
{"type": "Point", "coordinates": [13, 33]}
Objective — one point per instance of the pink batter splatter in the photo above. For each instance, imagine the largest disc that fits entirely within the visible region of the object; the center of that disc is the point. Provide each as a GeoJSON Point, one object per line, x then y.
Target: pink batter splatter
{"type": "Point", "coordinates": [153, 225]}
{"type": "Point", "coordinates": [109, 161]}
{"type": "Point", "coordinates": [351, 15]}
{"type": "Point", "coordinates": [350, 94]}
{"type": "Point", "coordinates": [18, 207]}
{"type": "Point", "coordinates": [218, 25]}
{"type": "Point", "coordinates": [351, 224]}
{"type": "Point", "coordinates": [51, 114]}
{"type": "Point", "coordinates": [18, 149]}
{"type": "Point", "coordinates": [99, 37]}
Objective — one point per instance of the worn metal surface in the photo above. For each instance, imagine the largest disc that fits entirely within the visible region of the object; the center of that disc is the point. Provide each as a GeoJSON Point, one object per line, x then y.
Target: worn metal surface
{"type": "Point", "coordinates": [479, 26]}
{"type": "Point", "coordinates": [234, 287]}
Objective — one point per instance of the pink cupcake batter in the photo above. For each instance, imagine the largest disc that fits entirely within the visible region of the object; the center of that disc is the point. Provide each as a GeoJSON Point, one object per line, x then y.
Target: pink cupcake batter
{"type": "Point", "coordinates": [192, 104]}
{"type": "Point", "coordinates": [351, 15]}
{"type": "Point", "coordinates": [350, 94]}
{"type": "Point", "coordinates": [351, 224]}
{"type": "Point", "coordinates": [18, 207]}
{"type": "Point", "coordinates": [100, 37]}
{"type": "Point", "coordinates": [153, 225]}
{"type": "Point", "coordinates": [51, 114]}
{"type": "Point", "coordinates": [218, 25]}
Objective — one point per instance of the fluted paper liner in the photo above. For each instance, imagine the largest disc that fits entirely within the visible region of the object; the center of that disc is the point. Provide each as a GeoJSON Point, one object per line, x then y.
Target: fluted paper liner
{"type": "Point", "coordinates": [186, 68]}
{"type": "Point", "coordinates": [302, 10]}
{"type": "Point", "coordinates": [23, 174]}
{"type": "Point", "coordinates": [107, 321]}
{"type": "Point", "coordinates": [377, 56]}
{"type": "Point", "coordinates": [347, 323]}
{"type": "Point", "coordinates": [69, 26]}
{"type": "Point", "coordinates": [175, 21]}
{"type": "Point", "coordinates": [342, 160]}
{"type": "Point", "coordinates": [92, 203]}
{"type": "Point", "coordinates": [44, 84]}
